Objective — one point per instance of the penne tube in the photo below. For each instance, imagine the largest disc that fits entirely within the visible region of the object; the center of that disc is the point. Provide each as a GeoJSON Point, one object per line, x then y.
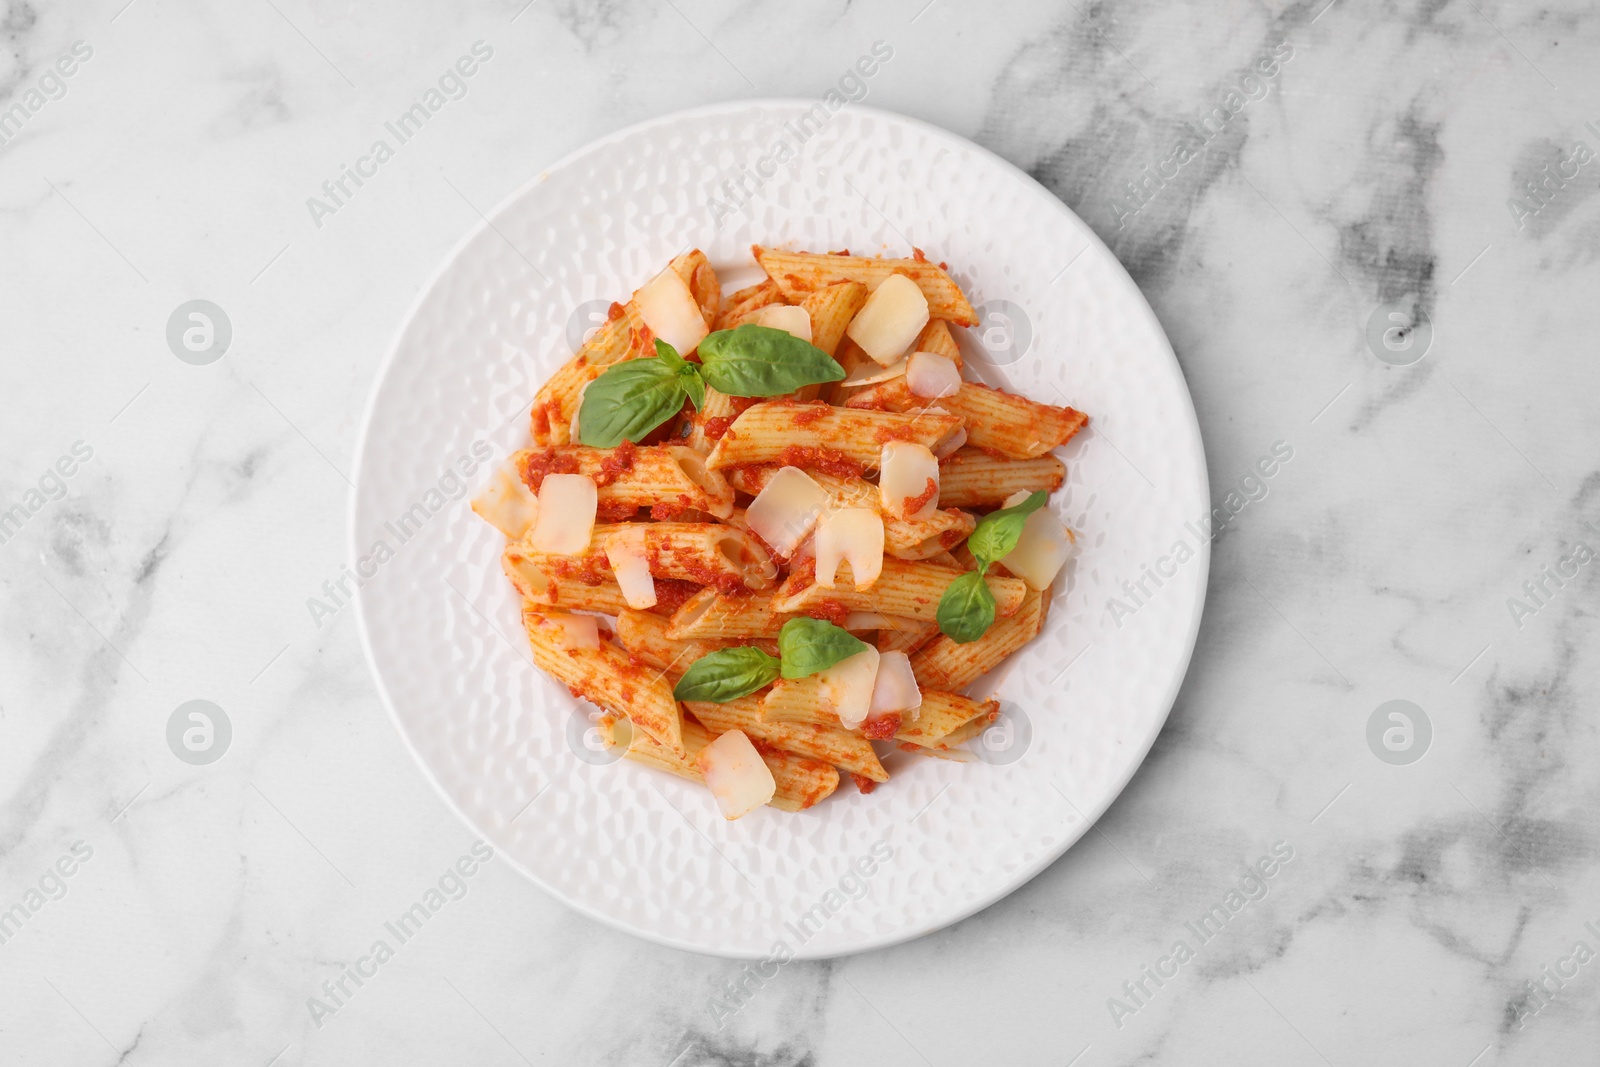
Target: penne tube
{"type": "Point", "coordinates": [568, 594]}
{"type": "Point", "coordinates": [646, 637]}
{"type": "Point", "coordinates": [973, 478]}
{"type": "Point", "coordinates": [831, 308]}
{"type": "Point", "coordinates": [628, 478]}
{"type": "Point", "coordinates": [711, 616]}
{"type": "Point", "coordinates": [610, 678]}
{"type": "Point", "coordinates": [706, 553]}
{"type": "Point", "coordinates": [697, 273]}
{"type": "Point", "coordinates": [910, 589]}
{"type": "Point", "coordinates": [830, 744]}
{"type": "Point", "coordinates": [945, 664]}
{"type": "Point", "coordinates": [838, 440]}
{"type": "Point", "coordinates": [907, 638]}
{"type": "Point", "coordinates": [741, 307]}
{"type": "Point", "coordinates": [961, 734]}
{"type": "Point", "coordinates": [801, 781]}
{"type": "Point", "coordinates": [1019, 427]}
{"type": "Point", "coordinates": [708, 424]}
{"type": "Point", "coordinates": [904, 538]}
{"type": "Point", "coordinates": [799, 273]}
{"type": "Point", "coordinates": [799, 700]}
{"type": "Point", "coordinates": [937, 338]}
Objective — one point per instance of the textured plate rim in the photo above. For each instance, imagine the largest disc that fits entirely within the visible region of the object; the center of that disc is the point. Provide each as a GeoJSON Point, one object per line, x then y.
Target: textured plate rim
{"type": "Point", "coordinates": [1024, 874]}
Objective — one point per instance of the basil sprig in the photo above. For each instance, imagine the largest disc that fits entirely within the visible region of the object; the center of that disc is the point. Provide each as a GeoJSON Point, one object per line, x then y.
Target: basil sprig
{"type": "Point", "coordinates": [631, 398]}
{"type": "Point", "coordinates": [805, 646]}
{"type": "Point", "coordinates": [753, 360]}
{"type": "Point", "coordinates": [727, 674]}
{"type": "Point", "coordinates": [634, 397]}
{"type": "Point", "coordinates": [810, 645]}
{"type": "Point", "coordinates": [966, 610]}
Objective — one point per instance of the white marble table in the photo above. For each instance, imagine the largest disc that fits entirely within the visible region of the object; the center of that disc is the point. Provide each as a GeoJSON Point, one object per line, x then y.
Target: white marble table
{"type": "Point", "coordinates": [1376, 157]}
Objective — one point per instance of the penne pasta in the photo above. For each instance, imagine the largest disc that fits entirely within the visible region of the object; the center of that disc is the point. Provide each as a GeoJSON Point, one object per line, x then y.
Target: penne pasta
{"type": "Point", "coordinates": [904, 538]}
{"type": "Point", "coordinates": [609, 678]}
{"type": "Point", "coordinates": [741, 307]}
{"type": "Point", "coordinates": [801, 781]}
{"type": "Point", "coordinates": [830, 744]}
{"type": "Point", "coordinates": [945, 664]}
{"type": "Point", "coordinates": [629, 478]}
{"type": "Point", "coordinates": [800, 700]}
{"type": "Point", "coordinates": [831, 308]}
{"type": "Point", "coordinates": [709, 616]}
{"type": "Point", "coordinates": [647, 637]}
{"type": "Point", "coordinates": [799, 273]}
{"type": "Point", "coordinates": [973, 478]}
{"type": "Point", "coordinates": [568, 594]}
{"type": "Point", "coordinates": [906, 588]}
{"type": "Point", "coordinates": [961, 734]}
{"type": "Point", "coordinates": [838, 440]}
{"type": "Point", "coordinates": [907, 638]}
{"type": "Point", "coordinates": [937, 338]}
{"type": "Point", "coordinates": [707, 553]}
{"type": "Point", "coordinates": [1004, 422]}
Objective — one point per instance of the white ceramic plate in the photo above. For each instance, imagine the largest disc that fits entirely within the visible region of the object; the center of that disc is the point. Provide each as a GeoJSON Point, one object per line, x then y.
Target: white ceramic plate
{"type": "Point", "coordinates": [507, 747]}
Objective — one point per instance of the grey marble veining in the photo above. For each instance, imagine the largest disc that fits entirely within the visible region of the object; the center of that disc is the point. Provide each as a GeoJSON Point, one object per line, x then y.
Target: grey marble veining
{"type": "Point", "coordinates": [1275, 176]}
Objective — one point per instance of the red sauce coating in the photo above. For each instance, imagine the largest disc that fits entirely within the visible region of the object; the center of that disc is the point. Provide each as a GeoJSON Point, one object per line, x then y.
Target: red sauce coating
{"type": "Point", "coordinates": [671, 594]}
{"type": "Point", "coordinates": [535, 465]}
{"type": "Point", "coordinates": [829, 610]}
{"type": "Point", "coordinates": [540, 416]}
{"type": "Point", "coordinates": [881, 728]}
{"type": "Point", "coordinates": [918, 255]}
{"type": "Point", "coordinates": [826, 460]}
{"type": "Point", "coordinates": [716, 426]}
{"type": "Point", "coordinates": [863, 783]}
{"type": "Point", "coordinates": [614, 511]}
{"type": "Point", "coordinates": [898, 431]}
{"type": "Point", "coordinates": [617, 461]}
{"type": "Point", "coordinates": [915, 504]}
{"type": "Point", "coordinates": [811, 412]}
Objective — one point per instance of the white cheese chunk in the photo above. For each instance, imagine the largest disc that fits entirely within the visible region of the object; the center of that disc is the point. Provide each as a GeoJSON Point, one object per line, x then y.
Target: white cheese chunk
{"type": "Point", "coordinates": [847, 686]}
{"type": "Point", "coordinates": [791, 320]}
{"type": "Point", "coordinates": [577, 631]}
{"type": "Point", "coordinates": [784, 512]}
{"type": "Point", "coordinates": [567, 504]}
{"type": "Point", "coordinates": [871, 374]}
{"type": "Point", "coordinates": [854, 536]}
{"type": "Point", "coordinates": [950, 442]}
{"type": "Point", "coordinates": [1043, 548]}
{"type": "Point", "coordinates": [507, 504]}
{"type": "Point", "coordinates": [896, 689]}
{"type": "Point", "coordinates": [903, 475]}
{"type": "Point", "coordinates": [668, 307]}
{"type": "Point", "coordinates": [736, 774]}
{"type": "Point", "coordinates": [630, 563]}
{"type": "Point", "coordinates": [890, 320]}
{"type": "Point", "coordinates": [931, 376]}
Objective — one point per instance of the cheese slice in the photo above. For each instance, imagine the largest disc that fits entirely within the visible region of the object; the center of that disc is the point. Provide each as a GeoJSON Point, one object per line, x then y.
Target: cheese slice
{"type": "Point", "coordinates": [669, 309]}
{"type": "Point", "coordinates": [896, 689]}
{"type": "Point", "coordinates": [889, 322]}
{"type": "Point", "coordinates": [903, 475]}
{"type": "Point", "coordinates": [630, 563]}
{"type": "Point", "coordinates": [737, 776]}
{"type": "Point", "coordinates": [870, 373]}
{"type": "Point", "coordinates": [1043, 548]}
{"type": "Point", "coordinates": [854, 536]}
{"type": "Point", "coordinates": [931, 376]}
{"type": "Point", "coordinates": [577, 631]}
{"type": "Point", "coordinates": [847, 686]}
{"type": "Point", "coordinates": [791, 320]}
{"type": "Point", "coordinates": [507, 503]}
{"type": "Point", "coordinates": [786, 509]}
{"type": "Point", "coordinates": [567, 505]}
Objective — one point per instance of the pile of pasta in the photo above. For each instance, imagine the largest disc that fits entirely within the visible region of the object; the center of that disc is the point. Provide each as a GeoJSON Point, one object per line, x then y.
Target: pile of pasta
{"type": "Point", "coordinates": [845, 504]}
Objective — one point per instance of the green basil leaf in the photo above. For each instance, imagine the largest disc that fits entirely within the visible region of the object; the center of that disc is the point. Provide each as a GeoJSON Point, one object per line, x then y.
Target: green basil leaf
{"type": "Point", "coordinates": [753, 360]}
{"type": "Point", "coordinates": [629, 400]}
{"type": "Point", "coordinates": [810, 645]}
{"type": "Point", "coordinates": [688, 372]}
{"type": "Point", "coordinates": [966, 611]}
{"type": "Point", "coordinates": [996, 533]}
{"type": "Point", "coordinates": [727, 674]}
